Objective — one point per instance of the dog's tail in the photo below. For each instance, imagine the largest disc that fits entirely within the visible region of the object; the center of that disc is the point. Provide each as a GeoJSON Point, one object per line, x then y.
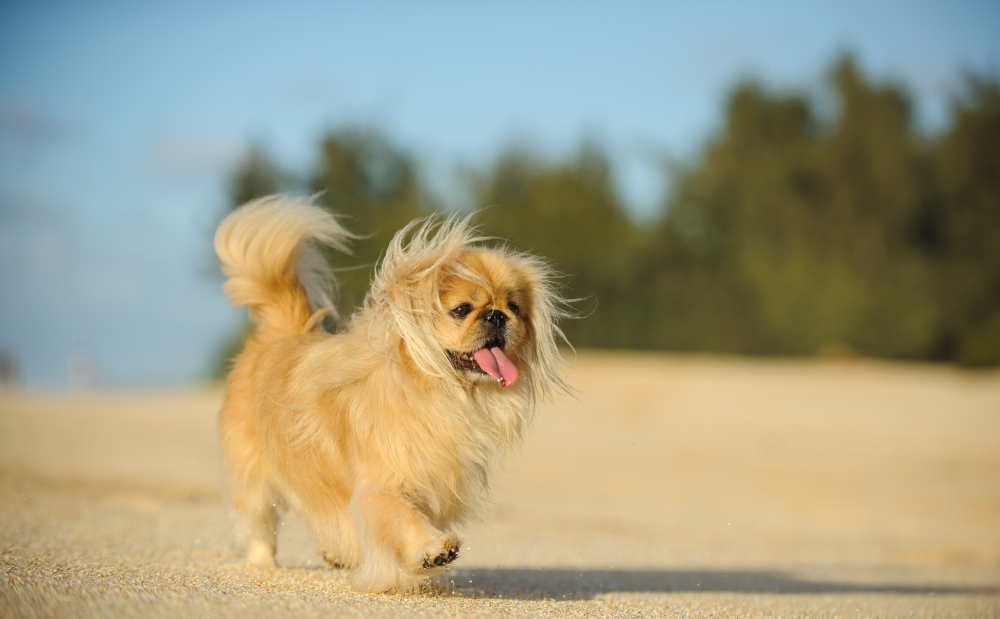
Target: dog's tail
{"type": "Point", "coordinates": [273, 268]}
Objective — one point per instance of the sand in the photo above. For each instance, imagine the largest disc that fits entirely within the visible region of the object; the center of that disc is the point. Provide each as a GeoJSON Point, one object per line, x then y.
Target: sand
{"type": "Point", "coordinates": [671, 487]}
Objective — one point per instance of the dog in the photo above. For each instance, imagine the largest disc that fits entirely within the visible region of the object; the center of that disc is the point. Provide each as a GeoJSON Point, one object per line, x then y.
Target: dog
{"type": "Point", "coordinates": [384, 435]}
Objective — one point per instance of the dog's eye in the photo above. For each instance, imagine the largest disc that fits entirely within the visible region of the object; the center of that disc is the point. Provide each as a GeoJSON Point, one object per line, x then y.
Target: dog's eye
{"type": "Point", "coordinates": [461, 311]}
{"type": "Point", "coordinates": [514, 307]}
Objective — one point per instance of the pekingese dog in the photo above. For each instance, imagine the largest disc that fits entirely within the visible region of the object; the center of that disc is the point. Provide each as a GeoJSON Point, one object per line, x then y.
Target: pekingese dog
{"type": "Point", "coordinates": [384, 434]}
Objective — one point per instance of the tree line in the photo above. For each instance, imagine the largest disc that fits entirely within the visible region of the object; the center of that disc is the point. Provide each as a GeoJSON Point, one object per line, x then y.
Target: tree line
{"type": "Point", "coordinates": [796, 230]}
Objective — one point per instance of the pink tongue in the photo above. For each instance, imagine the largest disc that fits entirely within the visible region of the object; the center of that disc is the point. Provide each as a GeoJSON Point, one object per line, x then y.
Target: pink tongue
{"type": "Point", "coordinates": [497, 365]}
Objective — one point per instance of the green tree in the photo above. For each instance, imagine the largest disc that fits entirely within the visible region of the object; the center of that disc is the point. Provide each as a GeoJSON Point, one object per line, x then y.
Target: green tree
{"type": "Point", "coordinates": [791, 234]}
{"type": "Point", "coordinates": [881, 173]}
{"type": "Point", "coordinates": [373, 186]}
{"type": "Point", "coordinates": [969, 162]}
{"type": "Point", "coordinates": [256, 176]}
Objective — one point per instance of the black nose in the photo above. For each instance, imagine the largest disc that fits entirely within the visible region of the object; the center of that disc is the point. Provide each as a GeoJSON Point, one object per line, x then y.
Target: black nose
{"type": "Point", "coordinates": [495, 317]}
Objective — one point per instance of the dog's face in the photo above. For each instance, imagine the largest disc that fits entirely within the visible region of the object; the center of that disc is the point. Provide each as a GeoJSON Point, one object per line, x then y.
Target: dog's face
{"type": "Point", "coordinates": [485, 323]}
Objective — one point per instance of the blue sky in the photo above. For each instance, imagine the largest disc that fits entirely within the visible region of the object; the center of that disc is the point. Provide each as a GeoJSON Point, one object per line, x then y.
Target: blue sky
{"type": "Point", "coordinates": [119, 122]}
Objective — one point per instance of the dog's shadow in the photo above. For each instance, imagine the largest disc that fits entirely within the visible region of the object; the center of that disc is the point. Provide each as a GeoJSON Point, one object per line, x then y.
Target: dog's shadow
{"type": "Point", "coordinates": [585, 584]}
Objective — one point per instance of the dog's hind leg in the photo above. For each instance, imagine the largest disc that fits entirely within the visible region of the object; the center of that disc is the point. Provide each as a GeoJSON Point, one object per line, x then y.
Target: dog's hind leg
{"type": "Point", "coordinates": [256, 521]}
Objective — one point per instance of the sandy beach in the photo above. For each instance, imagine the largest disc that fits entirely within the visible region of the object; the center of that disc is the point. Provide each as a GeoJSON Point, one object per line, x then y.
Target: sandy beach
{"type": "Point", "coordinates": [671, 486]}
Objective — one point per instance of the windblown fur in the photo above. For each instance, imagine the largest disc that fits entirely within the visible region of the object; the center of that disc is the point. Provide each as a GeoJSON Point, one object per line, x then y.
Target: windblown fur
{"type": "Point", "coordinates": [385, 434]}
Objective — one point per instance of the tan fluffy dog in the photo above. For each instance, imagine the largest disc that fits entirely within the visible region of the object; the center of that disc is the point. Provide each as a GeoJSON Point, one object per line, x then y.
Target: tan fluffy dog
{"type": "Point", "coordinates": [385, 434]}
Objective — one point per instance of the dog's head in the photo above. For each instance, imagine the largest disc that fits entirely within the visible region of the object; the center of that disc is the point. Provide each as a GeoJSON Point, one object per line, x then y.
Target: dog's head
{"type": "Point", "coordinates": [467, 313]}
{"type": "Point", "coordinates": [484, 322]}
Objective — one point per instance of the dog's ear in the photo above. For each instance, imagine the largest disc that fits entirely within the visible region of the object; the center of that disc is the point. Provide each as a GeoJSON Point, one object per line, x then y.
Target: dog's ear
{"type": "Point", "coordinates": [406, 290]}
{"type": "Point", "coordinates": [547, 307]}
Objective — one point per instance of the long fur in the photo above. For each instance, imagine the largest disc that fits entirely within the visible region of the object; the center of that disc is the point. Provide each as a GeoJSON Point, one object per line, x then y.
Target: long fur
{"type": "Point", "coordinates": [383, 442]}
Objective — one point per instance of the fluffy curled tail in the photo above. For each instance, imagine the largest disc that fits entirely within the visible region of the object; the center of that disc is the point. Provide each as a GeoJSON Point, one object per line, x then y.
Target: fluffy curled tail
{"type": "Point", "coordinates": [271, 266]}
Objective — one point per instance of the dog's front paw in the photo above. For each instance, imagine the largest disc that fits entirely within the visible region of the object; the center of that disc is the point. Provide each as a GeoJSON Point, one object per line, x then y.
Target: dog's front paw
{"type": "Point", "coordinates": [442, 552]}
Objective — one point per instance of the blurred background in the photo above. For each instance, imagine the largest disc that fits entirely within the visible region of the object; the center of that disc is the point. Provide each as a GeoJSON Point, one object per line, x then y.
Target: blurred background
{"type": "Point", "coordinates": [769, 178]}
